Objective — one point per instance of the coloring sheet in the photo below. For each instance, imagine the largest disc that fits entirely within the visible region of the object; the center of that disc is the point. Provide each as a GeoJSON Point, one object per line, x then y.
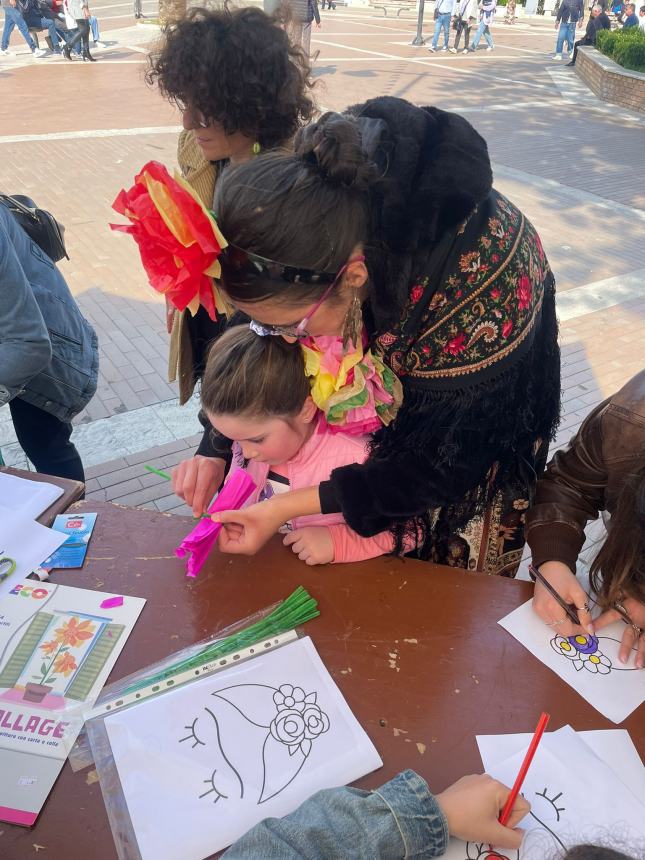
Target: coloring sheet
{"type": "Point", "coordinates": [589, 664]}
{"type": "Point", "coordinates": [200, 765]}
{"type": "Point", "coordinates": [57, 647]}
{"type": "Point", "coordinates": [613, 746]}
{"type": "Point", "coordinates": [575, 797]}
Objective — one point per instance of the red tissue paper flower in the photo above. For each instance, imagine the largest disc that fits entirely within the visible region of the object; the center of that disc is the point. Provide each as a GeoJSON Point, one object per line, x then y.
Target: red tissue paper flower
{"type": "Point", "coordinates": [178, 238]}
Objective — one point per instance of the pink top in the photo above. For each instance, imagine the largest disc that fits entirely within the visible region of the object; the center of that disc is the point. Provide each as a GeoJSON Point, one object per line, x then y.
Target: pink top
{"type": "Point", "coordinates": [313, 463]}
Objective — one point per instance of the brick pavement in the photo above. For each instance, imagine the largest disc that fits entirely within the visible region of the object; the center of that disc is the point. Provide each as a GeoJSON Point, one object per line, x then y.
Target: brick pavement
{"type": "Point", "coordinates": [564, 158]}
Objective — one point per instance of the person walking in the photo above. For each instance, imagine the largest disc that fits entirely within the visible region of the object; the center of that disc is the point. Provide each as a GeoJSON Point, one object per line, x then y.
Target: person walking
{"type": "Point", "coordinates": [77, 14]}
{"type": "Point", "coordinates": [48, 352]}
{"type": "Point", "coordinates": [305, 12]}
{"type": "Point", "coordinates": [464, 14]}
{"type": "Point", "coordinates": [487, 11]}
{"type": "Point", "coordinates": [597, 21]}
{"type": "Point", "coordinates": [39, 18]}
{"type": "Point", "coordinates": [570, 15]}
{"type": "Point", "coordinates": [13, 18]}
{"type": "Point", "coordinates": [443, 11]}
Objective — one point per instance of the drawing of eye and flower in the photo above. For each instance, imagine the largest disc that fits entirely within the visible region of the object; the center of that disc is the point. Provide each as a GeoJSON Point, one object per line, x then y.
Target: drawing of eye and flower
{"type": "Point", "coordinates": [288, 696]}
{"type": "Point", "coordinates": [584, 653]}
{"type": "Point", "coordinates": [297, 727]}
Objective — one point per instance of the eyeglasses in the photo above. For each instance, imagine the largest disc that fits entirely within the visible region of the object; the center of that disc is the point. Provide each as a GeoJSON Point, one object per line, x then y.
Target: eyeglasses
{"type": "Point", "coordinates": [240, 268]}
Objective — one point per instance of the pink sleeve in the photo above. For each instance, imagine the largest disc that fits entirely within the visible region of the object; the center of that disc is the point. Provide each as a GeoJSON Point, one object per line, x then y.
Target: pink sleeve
{"type": "Point", "coordinates": [350, 546]}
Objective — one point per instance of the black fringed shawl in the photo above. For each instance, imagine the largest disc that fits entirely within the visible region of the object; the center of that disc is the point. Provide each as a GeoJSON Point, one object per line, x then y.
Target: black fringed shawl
{"type": "Point", "coordinates": [462, 302]}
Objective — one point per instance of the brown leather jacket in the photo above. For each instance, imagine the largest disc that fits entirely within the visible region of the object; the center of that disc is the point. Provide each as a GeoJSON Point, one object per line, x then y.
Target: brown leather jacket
{"type": "Point", "coordinates": [587, 478]}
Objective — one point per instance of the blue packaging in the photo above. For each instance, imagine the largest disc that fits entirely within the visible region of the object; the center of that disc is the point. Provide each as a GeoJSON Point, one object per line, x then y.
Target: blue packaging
{"type": "Point", "coordinates": [78, 528]}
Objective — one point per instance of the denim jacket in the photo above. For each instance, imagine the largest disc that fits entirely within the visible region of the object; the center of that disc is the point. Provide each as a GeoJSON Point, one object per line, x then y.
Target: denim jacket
{"type": "Point", "coordinates": [48, 350]}
{"type": "Point", "coordinates": [399, 821]}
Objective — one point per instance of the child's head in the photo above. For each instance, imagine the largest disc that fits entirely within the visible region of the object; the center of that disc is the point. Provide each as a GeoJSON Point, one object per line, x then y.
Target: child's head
{"type": "Point", "coordinates": [255, 392]}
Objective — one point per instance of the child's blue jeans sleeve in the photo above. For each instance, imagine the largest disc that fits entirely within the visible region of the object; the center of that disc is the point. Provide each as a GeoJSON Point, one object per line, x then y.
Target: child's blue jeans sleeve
{"type": "Point", "coordinates": [399, 820]}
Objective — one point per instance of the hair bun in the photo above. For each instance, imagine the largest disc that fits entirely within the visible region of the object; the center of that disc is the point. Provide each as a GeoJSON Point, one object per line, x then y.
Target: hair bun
{"type": "Point", "coordinates": [333, 145]}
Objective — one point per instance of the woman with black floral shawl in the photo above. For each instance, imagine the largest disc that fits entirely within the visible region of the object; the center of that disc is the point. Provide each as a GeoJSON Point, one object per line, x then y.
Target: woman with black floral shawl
{"type": "Point", "coordinates": [457, 299]}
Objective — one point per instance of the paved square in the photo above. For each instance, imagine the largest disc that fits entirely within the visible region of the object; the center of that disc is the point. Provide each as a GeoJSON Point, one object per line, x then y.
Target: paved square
{"type": "Point", "coordinates": [573, 165]}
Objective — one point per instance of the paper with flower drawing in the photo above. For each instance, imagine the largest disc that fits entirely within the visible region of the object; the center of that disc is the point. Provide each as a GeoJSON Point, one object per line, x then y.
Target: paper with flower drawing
{"type": "Point", "coordinates": [589, 664]}
{"type": "Point", "coordinates": [575, 797]}
{"type": "Point", "coordinates": [202, 764]}
{"type": "Point", "coordinates": [57, 647]}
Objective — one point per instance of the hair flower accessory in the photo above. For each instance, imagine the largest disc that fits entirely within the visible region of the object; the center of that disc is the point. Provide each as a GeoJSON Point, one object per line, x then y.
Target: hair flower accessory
{"type": "Point", "coordinates": [178, 238]}
{"type": "Point", "coordinates": [355, 391]}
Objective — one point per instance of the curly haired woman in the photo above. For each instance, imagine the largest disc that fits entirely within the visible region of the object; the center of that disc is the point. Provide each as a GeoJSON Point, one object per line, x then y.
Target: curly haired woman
{"type": "Point", "coordinates": [242, 88]}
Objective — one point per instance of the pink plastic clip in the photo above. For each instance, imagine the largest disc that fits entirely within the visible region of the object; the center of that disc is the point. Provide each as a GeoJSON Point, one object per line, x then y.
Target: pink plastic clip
{"type": "Point", "coordinates": [200, 541]}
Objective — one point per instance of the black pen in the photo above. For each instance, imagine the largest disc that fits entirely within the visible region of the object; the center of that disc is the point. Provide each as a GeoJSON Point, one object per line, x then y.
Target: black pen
{"type": "Point", "coordinates": [571, 615]}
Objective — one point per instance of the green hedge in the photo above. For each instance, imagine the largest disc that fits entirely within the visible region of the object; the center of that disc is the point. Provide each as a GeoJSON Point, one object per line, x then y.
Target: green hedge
{"type": "Point", "coordinates": [625, 47]}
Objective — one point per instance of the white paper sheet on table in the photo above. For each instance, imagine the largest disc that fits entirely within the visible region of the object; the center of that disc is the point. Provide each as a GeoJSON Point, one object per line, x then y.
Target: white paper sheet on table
{"type": "Point", "coordinates": [591, 667]}
{"type": "Point", "coordinates": [202, 764]}
{"type": "Point", "coordinates": [26, 497]}
{"type": "Point", "coordinates": [613, 746]}
{"type": "Point", "coordinates": [575, 797]}
{"type": "Point", "coordinates": [27, 543]}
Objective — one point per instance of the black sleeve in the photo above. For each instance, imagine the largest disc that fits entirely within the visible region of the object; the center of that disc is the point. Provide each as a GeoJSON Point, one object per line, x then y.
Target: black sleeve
{"type": "Point", "coordinates": [212, 443]}
{"type": "Point", "coordinates": [442, 447]}
{"type": "Point", "coordinates": [406, 480]}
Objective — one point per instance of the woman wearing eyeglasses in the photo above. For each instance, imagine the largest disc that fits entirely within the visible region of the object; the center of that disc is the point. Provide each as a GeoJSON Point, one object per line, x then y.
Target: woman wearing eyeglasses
{"type": "Point", "coordinates": [603, 469]}
{"type": "Point", "coordinates": [242, 88]}
{"type": "Point", "coordinates": [455, 296]}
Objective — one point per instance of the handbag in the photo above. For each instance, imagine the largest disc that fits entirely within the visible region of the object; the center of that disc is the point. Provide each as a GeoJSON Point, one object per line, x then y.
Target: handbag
{"type": "Point", "coordinates": [38, 224]}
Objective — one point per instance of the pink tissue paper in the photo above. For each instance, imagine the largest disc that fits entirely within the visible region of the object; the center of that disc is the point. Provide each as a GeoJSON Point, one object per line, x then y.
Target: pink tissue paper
{"type": "Point", "coordinates": [197, 545]}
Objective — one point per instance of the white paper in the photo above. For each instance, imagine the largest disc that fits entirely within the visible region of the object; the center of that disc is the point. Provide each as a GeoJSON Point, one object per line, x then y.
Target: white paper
{"type": "Point", "coordinates": [588, 664]}
{"type": "Point", "coordinates": [57, 647]}
{"type": "Point", "coordinates": [613, 746]}
{"type": "Point", "coordinates": [575, 798]}
{"type": "Point", "coordinates": [27, 543]}
{"type": "Point", "coordinates": [202, 764]}
{"type": "Point", "coordinates": [26, 497]}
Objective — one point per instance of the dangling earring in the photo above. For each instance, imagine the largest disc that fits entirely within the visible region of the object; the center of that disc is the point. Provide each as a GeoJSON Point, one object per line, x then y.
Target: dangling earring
{"type": "Point", "coordinates": [256, 148]}
{"type": "Point", "coordinates": [353, 322]}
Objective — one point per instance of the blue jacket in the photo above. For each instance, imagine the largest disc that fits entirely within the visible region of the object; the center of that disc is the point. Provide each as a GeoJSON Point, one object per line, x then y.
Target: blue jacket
{"type": "Point", "coordinates": [400, 819]}
{"type": "Point", "coordinates": [48, 350]}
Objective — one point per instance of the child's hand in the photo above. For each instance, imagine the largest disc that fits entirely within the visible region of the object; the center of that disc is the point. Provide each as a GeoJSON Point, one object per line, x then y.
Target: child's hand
{"type": "Point", "coordinates": [472, 806]}
{"type": "Point", "coordinates": [313, 544]}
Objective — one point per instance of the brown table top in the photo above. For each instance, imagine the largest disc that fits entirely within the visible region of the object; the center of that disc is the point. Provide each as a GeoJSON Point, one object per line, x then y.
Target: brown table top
{"type": "Point", "coordinates": [72, 490]}
{"type": "Point", "coordinates": [414, 648]}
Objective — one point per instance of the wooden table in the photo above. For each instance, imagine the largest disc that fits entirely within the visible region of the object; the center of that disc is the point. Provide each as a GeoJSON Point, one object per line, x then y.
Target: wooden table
{"type": "Point", "coordinates": [414, 648]}
{"type": "Point", "coordinates": [72, 490]}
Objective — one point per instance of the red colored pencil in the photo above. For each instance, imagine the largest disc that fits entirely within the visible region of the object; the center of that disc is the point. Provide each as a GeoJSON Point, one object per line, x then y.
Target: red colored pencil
{"type": "Point", "coordinates": [526, 764]}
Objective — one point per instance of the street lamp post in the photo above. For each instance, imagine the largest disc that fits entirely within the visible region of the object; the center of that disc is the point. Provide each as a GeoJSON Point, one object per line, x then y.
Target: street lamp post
{"type": "Point", "coordinates": [418, 39]}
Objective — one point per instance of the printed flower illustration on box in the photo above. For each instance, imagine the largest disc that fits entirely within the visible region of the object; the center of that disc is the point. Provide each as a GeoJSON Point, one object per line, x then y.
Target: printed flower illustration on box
{"type": "Point", "coordinates": [58, 657]}
{"type": "Point", "coordinates": [254, 739]}
{"type": "Point", "coordinates": [584, 652]}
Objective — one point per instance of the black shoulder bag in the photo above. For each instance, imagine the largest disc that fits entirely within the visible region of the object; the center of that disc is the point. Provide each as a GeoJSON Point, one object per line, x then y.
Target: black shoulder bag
{"type": "Point", "coordinates": [38, 224]}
